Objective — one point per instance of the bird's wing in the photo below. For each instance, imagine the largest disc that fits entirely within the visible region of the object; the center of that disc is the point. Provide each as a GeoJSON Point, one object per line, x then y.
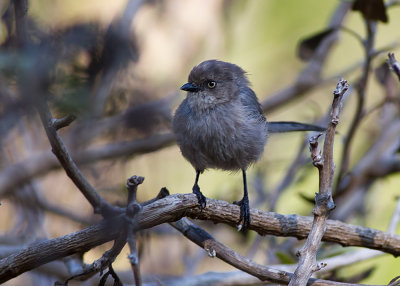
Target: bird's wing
{"type": "Point", "coordinates": [249, 99]}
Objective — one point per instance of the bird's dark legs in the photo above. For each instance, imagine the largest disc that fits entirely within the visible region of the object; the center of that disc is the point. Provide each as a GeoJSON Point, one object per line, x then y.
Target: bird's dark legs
{"type": "Point", "coordinates": [244, 206]}
{"type": "Point", "coordinates": [196, 190]}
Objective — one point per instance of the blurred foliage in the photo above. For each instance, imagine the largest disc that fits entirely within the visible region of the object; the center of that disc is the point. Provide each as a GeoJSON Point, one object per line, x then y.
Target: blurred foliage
{"type": "Point", "coordinates": [263, 37]}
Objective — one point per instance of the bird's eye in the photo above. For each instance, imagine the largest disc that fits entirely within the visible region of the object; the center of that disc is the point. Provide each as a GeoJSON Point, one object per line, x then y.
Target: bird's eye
{"type": "Point", "coordinates": [211, 84]}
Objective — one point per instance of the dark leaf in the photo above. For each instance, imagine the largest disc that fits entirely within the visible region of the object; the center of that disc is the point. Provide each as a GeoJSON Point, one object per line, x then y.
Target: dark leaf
{"type": "Point", "coordinates": [309, 45]}
{"type": "Point", "coordinates": [374, 10]}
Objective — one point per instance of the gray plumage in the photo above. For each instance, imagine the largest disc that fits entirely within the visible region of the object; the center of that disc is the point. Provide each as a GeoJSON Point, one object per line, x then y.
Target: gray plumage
{"type": "Point", "coordinates": [220, 124]}
{"type": "Point", "coordinates": [221, 127]}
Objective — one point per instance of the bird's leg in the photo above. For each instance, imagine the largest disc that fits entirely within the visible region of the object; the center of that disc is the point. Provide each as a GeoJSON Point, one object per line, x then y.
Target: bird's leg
{"type": "Point", "coordinates": [196, 190]}
{"type": "Point", "coordinates": [244, 207]}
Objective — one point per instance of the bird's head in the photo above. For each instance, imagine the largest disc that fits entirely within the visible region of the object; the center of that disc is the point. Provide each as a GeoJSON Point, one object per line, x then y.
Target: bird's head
{"type": "Point", "coordinates": [214, 82]}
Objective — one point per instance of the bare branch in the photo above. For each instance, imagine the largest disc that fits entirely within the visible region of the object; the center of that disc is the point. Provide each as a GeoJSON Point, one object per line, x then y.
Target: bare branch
{"type": "Point", "coordinates": [63, 122]}
{"type": "Point", "coordinates": [131, 211]}
{"type": "Point", "coordinates": [310, 76]}
{"type": "Point", "coordinates": [174, 207]}
{"type": "Point", "coordinates": [59, 149]}
{"type": "Point", "coordinates": [361, 91]}
{"type": "Point", "coordinates": [324, 204]}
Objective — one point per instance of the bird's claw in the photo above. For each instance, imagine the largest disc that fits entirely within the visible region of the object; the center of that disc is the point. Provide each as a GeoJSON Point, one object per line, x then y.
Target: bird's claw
{"type": "Point", "coordinates": [200, 197]}
{"type": "Point", "coordinates": [244, 219]}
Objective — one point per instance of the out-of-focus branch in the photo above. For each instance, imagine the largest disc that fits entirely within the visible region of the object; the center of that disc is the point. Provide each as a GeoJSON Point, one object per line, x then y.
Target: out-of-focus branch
{"type": "Point", "coordinates": [21, 173]}
{"type": "Point", "coordinates": [324, 203]}
{"type": "Point", "coordinates": [394, 64]}
{"type": "Point", "coordinates": [377, 162]}
{"type": "Point", "coordinates": [310, 76]}
{"type": "Point", "coordinates": [98, 203]}
{"type": "Point", "coordinates": [21, 9]}
{"type": "Point", "coordinates": [361, 91]}
{"type": "Point", "coordinates": [121, 48]}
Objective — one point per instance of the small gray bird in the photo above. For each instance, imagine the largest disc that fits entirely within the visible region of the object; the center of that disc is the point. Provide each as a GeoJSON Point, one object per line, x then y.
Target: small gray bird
{"type": "Point", "coordinates": [220, 124]}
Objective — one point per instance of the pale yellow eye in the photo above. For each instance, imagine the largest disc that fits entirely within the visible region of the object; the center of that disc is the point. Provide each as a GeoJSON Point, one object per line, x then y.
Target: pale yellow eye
{"type": "Point", "coordinates": [211, 84]}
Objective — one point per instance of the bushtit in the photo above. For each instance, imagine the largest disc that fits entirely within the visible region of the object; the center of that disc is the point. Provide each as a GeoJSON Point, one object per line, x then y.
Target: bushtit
{"type": "Point", "coordinates": [220, 124]}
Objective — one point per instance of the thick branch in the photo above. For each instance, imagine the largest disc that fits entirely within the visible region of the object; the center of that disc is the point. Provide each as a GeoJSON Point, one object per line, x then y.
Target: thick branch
{"type": "Point", "coordinates": [215, 248]}
{"type": "Point", "coordinates": [174, 207]}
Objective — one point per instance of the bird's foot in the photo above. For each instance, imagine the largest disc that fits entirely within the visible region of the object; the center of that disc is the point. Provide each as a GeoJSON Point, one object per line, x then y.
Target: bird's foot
{"type": "Point", "coordinates": [244, 220]}
{"type": "Point", "coordinates": [200, 197]}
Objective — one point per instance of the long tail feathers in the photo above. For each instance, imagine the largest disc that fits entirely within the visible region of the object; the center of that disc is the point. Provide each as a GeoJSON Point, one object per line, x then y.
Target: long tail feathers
{"type": "Point", "coordinates": [291, 126]}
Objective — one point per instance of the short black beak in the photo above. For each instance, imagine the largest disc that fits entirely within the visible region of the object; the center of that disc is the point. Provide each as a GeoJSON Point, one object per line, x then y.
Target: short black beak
{"type": "Point", "coordinates": [190, 87]}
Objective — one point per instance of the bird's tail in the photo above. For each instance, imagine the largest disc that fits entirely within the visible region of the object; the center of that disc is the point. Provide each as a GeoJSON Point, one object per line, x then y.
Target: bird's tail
{"type": "Point", "coordinates": [291, 126]}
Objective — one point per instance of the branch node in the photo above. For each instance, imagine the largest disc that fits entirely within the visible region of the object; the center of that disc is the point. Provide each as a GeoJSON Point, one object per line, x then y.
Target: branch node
{"type": "Point", "coordinates": [133, 259]}
{"type": "Point", "coordinates": [318, 267]}
{"type": "Point", "coordinates": [132, 184]}
{"type": "Point", "coordinates": [323, 204]}
{"type": "Point", "coordinates": [133, 209]}
{"type": "Point", "coordinates": [316, 152]}
{"type": "Point", "coordinates": [208, 247]}
{"type": "Point", "coordinates": [62, 122]}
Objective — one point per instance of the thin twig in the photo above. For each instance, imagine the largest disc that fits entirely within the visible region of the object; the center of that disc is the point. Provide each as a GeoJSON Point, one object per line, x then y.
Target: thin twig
{"type": "Point", "coordinates": [394, 64]}
{"type": "Point", "coordinates": [132, 210]}
{"type": "Point", "coordinates": [310, 76]}
{"type": "Point", "coordinates": [59, 149]}
{"type": "Point", "coordinates": [63, 122]}
{"type": "Point", "coordinates": [103, 262]}
{"type": "Point", "coordinates": [361, 90]}
{"type": "Point", "coordinates": [324, 204]}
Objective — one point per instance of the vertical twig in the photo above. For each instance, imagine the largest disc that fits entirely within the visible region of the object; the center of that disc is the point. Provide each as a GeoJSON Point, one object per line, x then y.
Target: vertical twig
{"type": "Point", "coordinates": [21, 9]}
{"type": "Point", "coordinates": [361, 90]}
{"type": "Point", "coordinates": [323, 200]}
{"type": "Point", "coordinates": [132, 209]}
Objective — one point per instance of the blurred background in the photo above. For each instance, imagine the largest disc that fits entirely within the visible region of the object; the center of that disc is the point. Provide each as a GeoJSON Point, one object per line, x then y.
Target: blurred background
{"type": "Point", "coordinates": [125, 89]}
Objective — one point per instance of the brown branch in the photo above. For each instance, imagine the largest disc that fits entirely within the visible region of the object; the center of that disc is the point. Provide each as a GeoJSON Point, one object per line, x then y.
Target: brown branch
{"type": "Point", "coordinates": [59, 149]}
{"type": "Point", "coordinates": [217, 249]}
{"type": "Point", "coordinates": [324, 203]}
{"type": "Point", "coordinates": [174, 207]}
{"type": "Point", "coordinates": [132, 209]}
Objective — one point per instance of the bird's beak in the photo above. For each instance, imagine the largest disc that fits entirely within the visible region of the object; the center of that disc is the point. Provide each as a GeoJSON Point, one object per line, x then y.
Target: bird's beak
{"type": "Point", "coordinates": [190, 87]}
